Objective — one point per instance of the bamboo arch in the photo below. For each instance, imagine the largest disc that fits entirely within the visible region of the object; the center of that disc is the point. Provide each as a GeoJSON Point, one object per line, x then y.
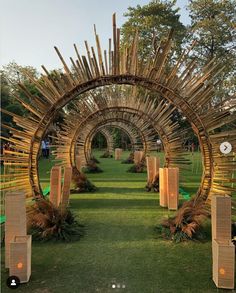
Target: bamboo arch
{"type": "Point", "coordinates": [181, 84]}
{"type": "Point", "coordinates": [109, 138]}
{"type": "Point", "coordinates": [148, 128]}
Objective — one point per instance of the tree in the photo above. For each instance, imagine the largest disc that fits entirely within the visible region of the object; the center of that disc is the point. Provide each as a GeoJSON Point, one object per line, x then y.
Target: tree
{"type": "Point", "coordinates": [14, 72]}
{"type": "Point", "coordinates": [213, 25]}
{"type": "Point", "coordinates": [153, 21]}
{"type": "Point", "coordinates": [8, 103]}
{"type": "Point", "coordinates": [10, 76]}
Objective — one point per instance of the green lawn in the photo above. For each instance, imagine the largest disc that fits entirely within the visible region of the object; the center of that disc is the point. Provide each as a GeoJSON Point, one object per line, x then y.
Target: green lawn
{"type": "Point", "coordinates": [120, 246]}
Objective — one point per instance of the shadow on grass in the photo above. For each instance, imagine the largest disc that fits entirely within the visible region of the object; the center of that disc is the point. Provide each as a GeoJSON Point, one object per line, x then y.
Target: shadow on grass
{"type": "Point", "coordinates": [114, 203]}
{"type": "Point", "coordinates": [121, 190]}
{"type": "Point", "coordinates": [118, 180]}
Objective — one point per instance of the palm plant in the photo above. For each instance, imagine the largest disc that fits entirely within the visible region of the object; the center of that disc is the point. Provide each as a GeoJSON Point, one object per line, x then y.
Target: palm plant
{"type": "Point", "coordinates": [187, 224]}
{"type": "Point", "coordinates": [106, 155]}
{"type": "Point", "coordinates": [92, 167]}
{"type": "Point", "coordinates": [46, 222]}
{"type": "Point", "coordinates": [139, 167]}
{"type": "Point", "coordinates": [129, 160]}
{"type": "Point", "coordinates": [81, 183]}
{"type": "Point", "coordinates": [153, 185]}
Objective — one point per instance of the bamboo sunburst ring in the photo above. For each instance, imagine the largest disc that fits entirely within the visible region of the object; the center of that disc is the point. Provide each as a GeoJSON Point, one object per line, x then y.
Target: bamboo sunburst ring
{"type": "Point", "coordinates": [106, 131]}
{"type": "Point", "coordinates": [187, 89]}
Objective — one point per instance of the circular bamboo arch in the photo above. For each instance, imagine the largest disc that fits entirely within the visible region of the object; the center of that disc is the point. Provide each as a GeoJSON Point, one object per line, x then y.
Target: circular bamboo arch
{"type": "Point", "coordinates": [109, 138]}
{"type": "Point", "coordinates": [66, 144]}
{"type": "Point", "coordinates": [114, 123]}
{"type": "Point", "coordinates": [181, 85]}
{"type": "Point", "coordinates": [169, 133]}
{"type": "Point", "coordinates": [85, 150]}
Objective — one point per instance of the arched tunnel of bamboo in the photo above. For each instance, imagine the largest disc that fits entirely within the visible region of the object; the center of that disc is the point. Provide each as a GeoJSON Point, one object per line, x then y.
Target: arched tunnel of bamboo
{"type": "Point", "coordinates": [175, 86]}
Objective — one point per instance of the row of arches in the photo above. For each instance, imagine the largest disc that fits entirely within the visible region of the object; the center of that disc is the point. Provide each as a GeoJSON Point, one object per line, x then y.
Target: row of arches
{"type": "Point", "coordinates": [175, 85]}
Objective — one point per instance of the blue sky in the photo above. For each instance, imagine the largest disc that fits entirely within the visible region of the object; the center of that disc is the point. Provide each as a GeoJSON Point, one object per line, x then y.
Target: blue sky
{"type": "Point", "coordinates": [30, 28]}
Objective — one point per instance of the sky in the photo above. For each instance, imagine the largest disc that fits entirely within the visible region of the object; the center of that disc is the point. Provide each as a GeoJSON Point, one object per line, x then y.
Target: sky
{"type": "Point", "coordinates": [29, 29]}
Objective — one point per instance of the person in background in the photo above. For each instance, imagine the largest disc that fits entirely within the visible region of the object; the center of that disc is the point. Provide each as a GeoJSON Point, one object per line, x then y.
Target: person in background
{"type": "Point", "coordinates": [47, 149]}
{"type": "Point", "coordinates": [43, 146]}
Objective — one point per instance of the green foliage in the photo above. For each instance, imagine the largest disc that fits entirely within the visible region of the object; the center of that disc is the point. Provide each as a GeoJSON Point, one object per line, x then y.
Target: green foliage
{"type": "Point", "coordinates": [129, 160]}
{"type": "Point", "coordinates": [154, 185]}
{"type": "Point", "coordinates": [10, 76]}
{"type": "Point", "coordinates": [213, 26]}
{"type": "Point", "coordinates": [81, 183]}
{"type": "Point", "coordinates": [138, 168]}
{"type": "Point", "coordinates": [95, 160]}
{"type": "Point", "coordinates": [106, 154]}
{"type": "Point", "coordinates": [92, 167]}
{"type": "Point", "coordinates": [153, 22]}
{"type": "Point", "coordinates": [99, 141]}
{"type": "Point", "coordinates": [187, 224]}
{"type": "Point", "coordinates": [46, 222]}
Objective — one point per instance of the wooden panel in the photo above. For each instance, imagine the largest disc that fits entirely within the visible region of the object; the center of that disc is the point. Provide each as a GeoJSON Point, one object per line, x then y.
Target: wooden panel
{"type": "Point", "coordinates": [163, 187]}
{"type": "Point", "coordinates": [79, 163]}
{"type": "Point", "coordinates": [223, 254]}
{"type": "Point", "coordinates": [66, 186]}
{"type": "Point", "coordinates": [15, 224]}
{"type": "Point", "coordinates": [172, 188]}
{"type": "Point", "coordinates": [138, 155]}
{"type": "Point", "coordinates": [20, 257]}
{"type": "Point", "coordinates": [118, 153]}
{"type": "Point", "coordinates": [157, 166]}
{"type": "Point", "coordinates": [151, 168]}
{"type": "Point", "coordinates": [221, 217]}
{"type": "Point", "coordinates": [55, 185]}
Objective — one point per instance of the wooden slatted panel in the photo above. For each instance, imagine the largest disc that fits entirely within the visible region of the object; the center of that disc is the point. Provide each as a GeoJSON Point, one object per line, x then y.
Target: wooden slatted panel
{"type": "Point", "coordinates": [55, 185]}
{"type": "Point", "coordinates": [163, 187]}
{"type": "Point", "coordinates": [20, 257]}
{"type": "Point", "coordinates": [223, 255]}
{"type": "Point", "coordinates": [221, 217]}
{"type": "Point", "coordinates": [66, 187]}
{"type": "Point", "coordinates": [172, 175]}
{"type": "Point", "coordinates": [15, 224]}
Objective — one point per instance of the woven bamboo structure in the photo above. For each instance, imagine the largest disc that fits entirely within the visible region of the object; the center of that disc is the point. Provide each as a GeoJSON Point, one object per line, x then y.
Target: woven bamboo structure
{"type": "Point", "coordinates": [132, 134]}
{"type": "Point", "coordinates": [105, 131]}
{"type": "Point", "coordinates": [118, 109]}
{"type": "Point", "coordinates": [86, 151]}
{"type": "Point", "coordinates": [179, 85]}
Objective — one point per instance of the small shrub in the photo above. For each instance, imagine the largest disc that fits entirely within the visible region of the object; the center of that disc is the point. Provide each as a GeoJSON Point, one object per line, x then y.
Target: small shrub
{"type": "Point", "coordinates": [106, 155]}
{"type": "Point", "coordinates": [95, 160]}
{"type": "Point", "coordinates": [81, 183]}
{"type": "Point", "coordinates": [47, 222]}
{"type": "Point", "coordinates": [92, 168]}
{"type": "Point", "coordinates": [154, 185]}
{"type": "Point", "coordinates": [129, 160]}
{"type": "Point", "coordinates": [138, 168]}
{"type": "Point", "coordinates": [187, 224]}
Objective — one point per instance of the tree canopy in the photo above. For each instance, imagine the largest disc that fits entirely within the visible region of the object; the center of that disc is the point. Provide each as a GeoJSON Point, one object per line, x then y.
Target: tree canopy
{"type": "Point", "coordinates": [213, 24]}
{"type": "Point", "coordinates": [153, 21]}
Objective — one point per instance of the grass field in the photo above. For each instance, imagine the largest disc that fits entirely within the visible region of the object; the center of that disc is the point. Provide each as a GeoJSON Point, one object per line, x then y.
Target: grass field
{"type": "Point", "coordinates": [120, 247]}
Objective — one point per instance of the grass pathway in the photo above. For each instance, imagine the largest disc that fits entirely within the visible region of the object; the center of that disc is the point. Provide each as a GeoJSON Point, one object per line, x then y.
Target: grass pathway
{"type": "Point", "coordinates": [120, 247]}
